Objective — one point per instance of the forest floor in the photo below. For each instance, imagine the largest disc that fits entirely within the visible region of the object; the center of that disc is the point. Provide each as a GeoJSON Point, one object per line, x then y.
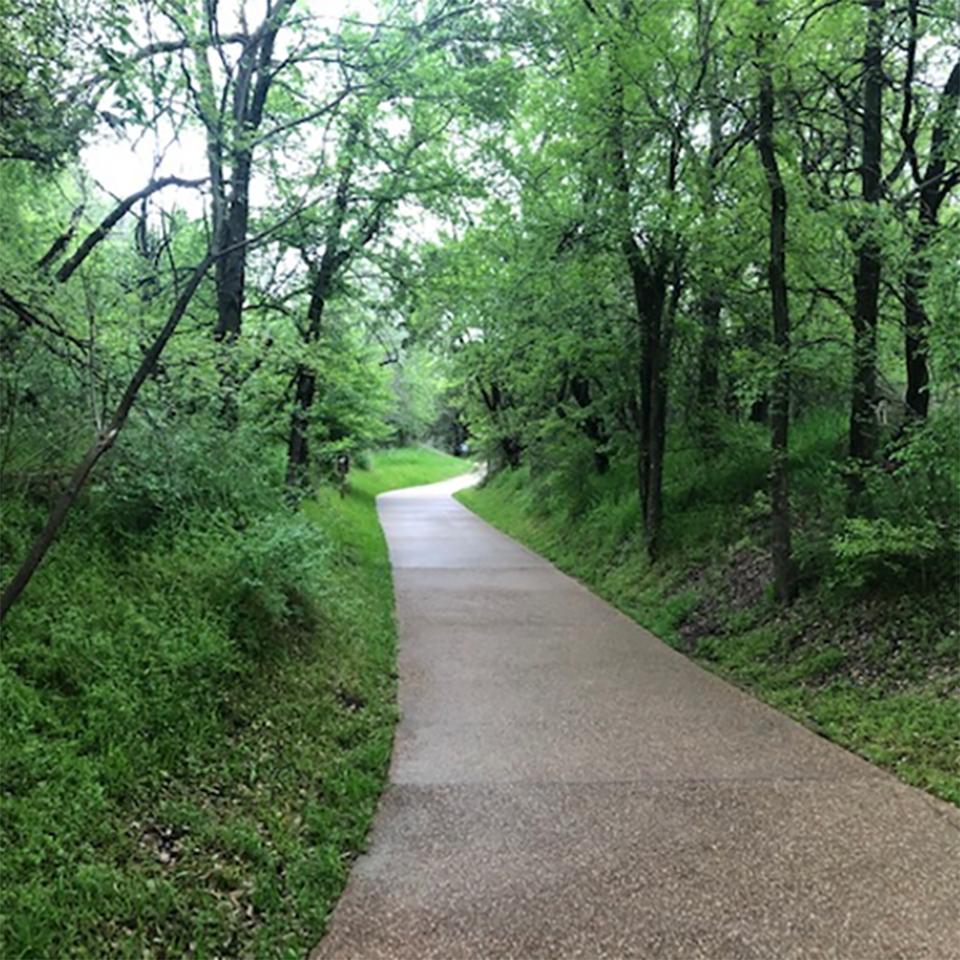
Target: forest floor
{"type": "Point", "coordinates": [878, 673]}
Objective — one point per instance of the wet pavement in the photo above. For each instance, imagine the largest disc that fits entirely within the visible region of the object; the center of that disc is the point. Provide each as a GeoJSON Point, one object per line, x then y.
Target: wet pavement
{"type": "Point", "coordinates": [565, 785]}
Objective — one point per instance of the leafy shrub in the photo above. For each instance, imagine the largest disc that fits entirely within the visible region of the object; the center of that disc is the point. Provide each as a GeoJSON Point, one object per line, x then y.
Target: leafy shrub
{"type": "Point", "coordinates": [566, 472]}
{"type": "Point", "coordinates": [269, 579]}
{"type": "Point", "coordinates": [173, 476]}
{"type": "Point", "coordinates": [873, 551]}
{"type": "Point", "coordinates": [821, 664]}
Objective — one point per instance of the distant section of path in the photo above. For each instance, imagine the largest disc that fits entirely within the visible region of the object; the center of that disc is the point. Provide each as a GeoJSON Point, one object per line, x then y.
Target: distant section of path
{"type": "Point", "coordinates": [565, 785]}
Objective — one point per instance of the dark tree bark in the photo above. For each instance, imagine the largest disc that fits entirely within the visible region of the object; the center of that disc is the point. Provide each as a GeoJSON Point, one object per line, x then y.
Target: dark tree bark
{"type": "Point", "coordinates": [654, 276]}
{"type": "Point", "coordinates": [655, 297]}
{"type": "Point", "coordinates": [863, 421]}
{"type": "Point", "coordinates": [231, 269]}
{"type": "Point", "coordinates": [305, 379]}
{"type": "Point", "coordinates": [509, 446]}
{"type": "Point", "coordinates": [934, 184]}
{"type": "Point", "coordinates": [709, 401]}
{"type": "Point", "coordinates": [255, 73]}
{"type": "Point", "coordinates": [340, 246]}
{"type": "Point", "coordinates": [337, 253]}
{"type": "Point", "coordinates": [781, 550]}
{"type": "Point", "coordinates": [95, 236]}
{"type": "Point", "coordinates": [916, 323]}
{"type": "Point", "coordinates": [592, 425]}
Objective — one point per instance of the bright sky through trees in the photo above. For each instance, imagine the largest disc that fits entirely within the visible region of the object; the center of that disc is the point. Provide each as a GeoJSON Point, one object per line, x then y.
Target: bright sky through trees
{"type": "Point", "coordinates": [124, 163]}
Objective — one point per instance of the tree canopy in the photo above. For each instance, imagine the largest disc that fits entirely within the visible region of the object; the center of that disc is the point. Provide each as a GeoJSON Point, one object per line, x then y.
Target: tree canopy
{"type": "Point", "coordinates": [594, 215]}
{"type": "Point", "coordinates": [660, 264]}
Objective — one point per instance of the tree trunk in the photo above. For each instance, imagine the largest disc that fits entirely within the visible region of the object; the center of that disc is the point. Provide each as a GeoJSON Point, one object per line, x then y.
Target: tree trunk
{"type": "Point", "coordinates": [709, 404]}
{"type": "Point", "coordinates": [254, 77]}
{"type": "Point", "coordinates": [305, 381]}
{"type": "Point", "coordinates": [232, 267]}
{"type": "Point", "coordinates": [509, 445]}
{"type": "Point", "coordinates": [781, 551]}
{"type": "Point", "coordinates": [650, 294]}
{"type": "Point", "coordinates": [933, 191]}
{"type": "Point", "coordinates": [298, 450]}
{"type": "Point", "coordinates": [863, 421]}
{"type": "Point", "coordinates": [337, 252]}
{"type": "Point", "coordinates": [916, 323]}
{"type": "Point", "coordinates": [593, 426]}
{"type": "Point", "coordinates": [649, 279]}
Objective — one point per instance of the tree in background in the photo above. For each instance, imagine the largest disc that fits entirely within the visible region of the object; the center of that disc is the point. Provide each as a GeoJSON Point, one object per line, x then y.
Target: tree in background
{"type": "Point", "coordinates": [631, 147]}
{"type": "Point", "coordinates": [600, 280]}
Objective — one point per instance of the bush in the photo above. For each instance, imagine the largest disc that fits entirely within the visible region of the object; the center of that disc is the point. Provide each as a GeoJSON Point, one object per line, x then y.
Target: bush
{"type": "Point", "coordinates": [871, 552]}
{"type": "Point", "coordinates": [164, 479]}
{"type": "Point", "coordinates": [267, 579]}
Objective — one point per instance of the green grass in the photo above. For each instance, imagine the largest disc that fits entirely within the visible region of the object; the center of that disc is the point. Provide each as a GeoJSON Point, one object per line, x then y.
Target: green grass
{"type": "Point", "coordinates": [196, 732]}
{"type": "Point", "coordinates": [405, 467]}
{"type": "Point", "coordinates": [877, 671]}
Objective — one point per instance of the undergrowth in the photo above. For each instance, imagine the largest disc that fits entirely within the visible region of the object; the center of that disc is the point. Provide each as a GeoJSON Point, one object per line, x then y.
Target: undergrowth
{"type": "Point", "coordinates": [197, 715]}
{"type": "Point", "coordinates": [869, 656]}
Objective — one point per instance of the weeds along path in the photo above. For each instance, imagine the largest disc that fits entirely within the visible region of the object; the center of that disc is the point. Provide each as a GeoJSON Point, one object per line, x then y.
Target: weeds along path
{"type": "Point", "coordinates": [565, 785]}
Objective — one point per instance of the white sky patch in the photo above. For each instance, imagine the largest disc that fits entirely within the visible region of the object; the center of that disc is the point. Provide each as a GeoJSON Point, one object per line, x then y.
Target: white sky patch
{"type": "Point", "coordinates": [124, 161]}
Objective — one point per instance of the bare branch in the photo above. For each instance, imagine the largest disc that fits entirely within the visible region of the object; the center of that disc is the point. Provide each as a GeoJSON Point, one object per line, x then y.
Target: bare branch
{"type": "Point", "coordinates": [113, 218]}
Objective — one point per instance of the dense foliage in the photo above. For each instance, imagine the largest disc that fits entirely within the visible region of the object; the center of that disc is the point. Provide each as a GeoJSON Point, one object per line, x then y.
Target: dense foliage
{"type": "Point", "coordinates": [197, 674]}
{"type": "Point", "coordinates": [692, 237]}
{"type": "Point", "coordinates": [708, 337]}
{"type": "Point", "coordinates": [635, 254]}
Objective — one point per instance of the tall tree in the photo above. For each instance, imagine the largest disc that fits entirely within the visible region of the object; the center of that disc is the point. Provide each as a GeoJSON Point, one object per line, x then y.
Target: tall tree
{"type": "Point", "coordinates": [932, 183]}
{"type": "Point", "coordinates": [231, 139]}
{"type": "Point", "coordinates": [710, 295]}
{"type": "Point", "coordinates": [784, 581]}
{"type": "Point", "coordinates": [322, 273]}
{"type": "Point", "coordinates": [863, 419]}
{"type": "Point", "coordinates": [390, 148]}
{"type": "Point", "coordinates": [655, 263]}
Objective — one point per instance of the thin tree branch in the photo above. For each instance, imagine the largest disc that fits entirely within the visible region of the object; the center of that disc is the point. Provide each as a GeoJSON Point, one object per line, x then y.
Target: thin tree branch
{"type": "Point", "coordinates": [113, 218]}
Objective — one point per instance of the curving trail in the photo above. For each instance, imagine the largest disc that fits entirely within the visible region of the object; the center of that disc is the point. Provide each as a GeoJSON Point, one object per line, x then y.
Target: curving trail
{"type": "Point", "coordinates": [565, 785]}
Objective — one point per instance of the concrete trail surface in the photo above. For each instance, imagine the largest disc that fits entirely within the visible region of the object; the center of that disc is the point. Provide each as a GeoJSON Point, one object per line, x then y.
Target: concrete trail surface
{"type": "Point", "coordinates": [565, 785]}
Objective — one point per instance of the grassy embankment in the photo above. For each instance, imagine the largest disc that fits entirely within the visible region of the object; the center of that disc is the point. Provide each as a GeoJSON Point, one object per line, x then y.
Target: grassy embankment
{"type": "Point", "coordinates": [868, 656]}
{"type": "Point", "coordinates": [196, 725]}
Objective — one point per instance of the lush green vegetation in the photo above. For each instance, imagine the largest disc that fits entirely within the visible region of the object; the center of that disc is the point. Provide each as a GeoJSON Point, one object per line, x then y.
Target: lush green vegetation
{"type": "Point", "coordinates": [197, 722]}
{"type": "Point", "coordinates": [868, 656]}
{"type": "Point", "coordinates": [682, 271]}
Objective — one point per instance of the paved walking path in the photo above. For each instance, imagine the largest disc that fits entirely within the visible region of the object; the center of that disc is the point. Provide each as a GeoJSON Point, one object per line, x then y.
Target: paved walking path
{"type": "Point", "coordinates": [564, 785]}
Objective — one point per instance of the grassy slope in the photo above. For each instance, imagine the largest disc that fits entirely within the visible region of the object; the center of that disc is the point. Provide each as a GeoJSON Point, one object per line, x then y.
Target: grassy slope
{"type": "Point", "coordinates": [877, 673]}
{"type": "Point", "coordinates": [165, 792]}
